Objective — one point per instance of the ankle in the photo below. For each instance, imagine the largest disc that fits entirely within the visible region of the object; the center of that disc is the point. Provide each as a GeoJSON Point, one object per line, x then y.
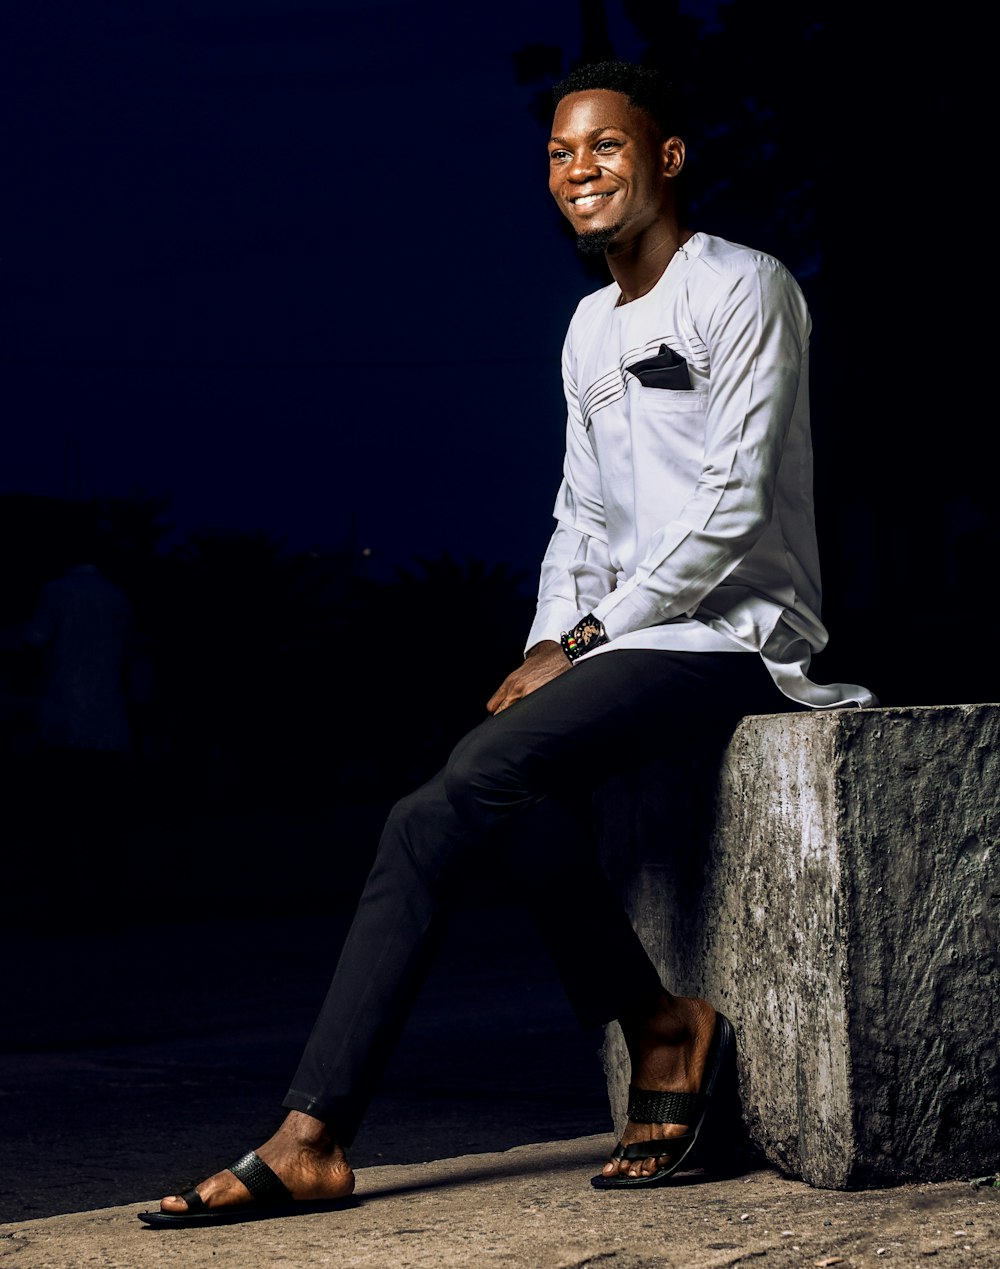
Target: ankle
{"type": "Point", "coordinates": [644, 1010]}
{"type": "Point", "coordinates": [308, 1133]}
{"type": "Point", "coordinates": [663, 1019]}
{"type": "Point", "coordinates": [663, 1040]}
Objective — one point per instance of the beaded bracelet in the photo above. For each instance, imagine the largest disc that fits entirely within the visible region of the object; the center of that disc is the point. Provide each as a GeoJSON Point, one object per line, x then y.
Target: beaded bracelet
{"type": "Point", "coordinates": [585, 635]}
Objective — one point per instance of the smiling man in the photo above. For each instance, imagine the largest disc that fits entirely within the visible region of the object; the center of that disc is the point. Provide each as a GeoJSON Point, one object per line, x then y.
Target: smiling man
{"type": "Point", "coordinates": [680, 587]}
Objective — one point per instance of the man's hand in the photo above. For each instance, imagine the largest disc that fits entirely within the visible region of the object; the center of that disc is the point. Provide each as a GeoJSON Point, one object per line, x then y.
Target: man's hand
{"type": "Point", "coordinates": [546, 660]}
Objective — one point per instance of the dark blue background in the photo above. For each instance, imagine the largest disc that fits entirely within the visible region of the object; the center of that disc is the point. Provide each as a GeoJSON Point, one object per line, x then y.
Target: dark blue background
{"type": "Point", "coordinates": [293, 265]}
{"type": "Point", "coordinates": [296, 267]}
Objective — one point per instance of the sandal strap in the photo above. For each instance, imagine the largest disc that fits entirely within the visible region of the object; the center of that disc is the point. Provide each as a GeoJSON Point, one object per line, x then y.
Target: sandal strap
{"type": "Point", "coordinates": [194, 1201]}
{"type": "Point", "coordinates": [652, 1149]}
{"type": "Point", "coordinates": [264, 1184]}
{"type": "Point", "coordinates": [645, 1106]}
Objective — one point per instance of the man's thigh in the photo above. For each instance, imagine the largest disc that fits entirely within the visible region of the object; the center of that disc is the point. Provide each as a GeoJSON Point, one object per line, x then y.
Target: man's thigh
{"type": "Point", "coordinates": [611, 709]}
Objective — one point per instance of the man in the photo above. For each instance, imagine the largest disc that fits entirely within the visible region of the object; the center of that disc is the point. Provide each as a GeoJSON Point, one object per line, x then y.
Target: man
{"type": "Point", "coordinates": [680, 584]}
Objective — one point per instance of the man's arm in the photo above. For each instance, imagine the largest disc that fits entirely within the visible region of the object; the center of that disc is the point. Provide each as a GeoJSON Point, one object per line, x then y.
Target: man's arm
{"type": "Point", "coordinates": [756, 335]}
{"type": "Point", "coordinates": [576, 570]}
{"type": "Point", "coordinates": [543, 662]}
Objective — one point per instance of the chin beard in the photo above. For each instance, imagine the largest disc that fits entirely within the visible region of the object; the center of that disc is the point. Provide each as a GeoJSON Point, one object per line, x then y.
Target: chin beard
{"type": "Point", "coordinates": [597, 240]}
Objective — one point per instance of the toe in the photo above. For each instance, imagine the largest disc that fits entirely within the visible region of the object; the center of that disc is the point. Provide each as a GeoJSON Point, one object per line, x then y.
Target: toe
{"type": "Point", "coordinates": [174, 1204]}
{"type": "Point", "coordinates": [221, 1190]}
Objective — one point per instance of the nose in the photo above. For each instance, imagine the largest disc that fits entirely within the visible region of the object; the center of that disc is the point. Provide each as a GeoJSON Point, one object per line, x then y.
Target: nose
{"type": "Point", "coordinates": [583, 168]}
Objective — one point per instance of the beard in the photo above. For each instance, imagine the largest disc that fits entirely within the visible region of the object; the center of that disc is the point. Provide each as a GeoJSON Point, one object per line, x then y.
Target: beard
{"type": "Point", "coordinates": [597, 240]}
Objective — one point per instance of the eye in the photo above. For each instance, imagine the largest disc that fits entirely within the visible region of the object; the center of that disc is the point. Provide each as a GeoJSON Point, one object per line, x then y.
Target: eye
{"type": "Point", "coordinates": [606, 145]}
{"type": "Point", "coordinates": [556, 156]}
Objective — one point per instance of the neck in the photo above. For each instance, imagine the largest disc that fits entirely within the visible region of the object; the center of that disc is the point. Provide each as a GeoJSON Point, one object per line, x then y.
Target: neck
{"type": "Point", "coordinates": [638, 265]}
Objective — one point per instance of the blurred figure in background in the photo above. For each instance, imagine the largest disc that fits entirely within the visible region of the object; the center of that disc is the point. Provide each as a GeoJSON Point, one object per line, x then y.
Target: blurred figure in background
{"type": "Point", "coordinates": [82, 628]}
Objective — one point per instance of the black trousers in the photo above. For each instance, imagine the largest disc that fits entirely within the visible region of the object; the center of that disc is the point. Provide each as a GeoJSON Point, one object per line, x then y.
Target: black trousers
{"type": "Point", "coordinates": [518, 785]}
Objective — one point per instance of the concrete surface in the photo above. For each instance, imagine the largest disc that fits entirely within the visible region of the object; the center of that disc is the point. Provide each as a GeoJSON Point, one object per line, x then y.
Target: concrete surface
{"type": "Point", "coordinates": [841, 904]}
{"type": "Point", "coordinates": [533, 1208]}
{"type": "Point", "coordinates": [139, 1059]}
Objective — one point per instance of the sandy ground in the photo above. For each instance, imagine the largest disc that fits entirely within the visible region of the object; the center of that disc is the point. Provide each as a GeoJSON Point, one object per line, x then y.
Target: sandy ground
{"type": "Point", "coordinates": [138, 1060]}
{"type": "Point", "coordinates": [532, 1207]}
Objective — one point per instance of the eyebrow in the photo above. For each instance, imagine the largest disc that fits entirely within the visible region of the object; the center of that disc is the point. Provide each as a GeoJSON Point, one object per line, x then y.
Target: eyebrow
{"type": "Point", "coordinates": [594, 132]}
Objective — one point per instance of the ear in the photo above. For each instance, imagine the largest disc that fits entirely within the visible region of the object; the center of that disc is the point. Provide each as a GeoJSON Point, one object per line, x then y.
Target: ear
{"type": "Point", "coordinates": [673, 156]}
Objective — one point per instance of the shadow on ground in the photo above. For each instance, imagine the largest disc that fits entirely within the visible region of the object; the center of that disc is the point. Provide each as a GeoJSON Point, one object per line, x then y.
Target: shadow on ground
{"type": "Point", "coordinates": [136, 1060]}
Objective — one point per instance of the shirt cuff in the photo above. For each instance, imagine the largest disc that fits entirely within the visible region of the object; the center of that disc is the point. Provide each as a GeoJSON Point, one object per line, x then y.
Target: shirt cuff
{"type": "Point", "coordinates": [626, 609]}
{"type": "Point", "coordinates": [552, 618]}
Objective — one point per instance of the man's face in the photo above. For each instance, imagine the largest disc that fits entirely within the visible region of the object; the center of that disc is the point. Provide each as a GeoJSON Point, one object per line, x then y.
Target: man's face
{"type": "Point", "coordinates": [608, 167]}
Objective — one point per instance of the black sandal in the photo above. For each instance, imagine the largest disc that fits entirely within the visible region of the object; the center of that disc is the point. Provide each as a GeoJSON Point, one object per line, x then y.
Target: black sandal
{"type": "Point", "coordinates": [271, 1197]}
{"type": "Point", "coordinates": [646, 1106]}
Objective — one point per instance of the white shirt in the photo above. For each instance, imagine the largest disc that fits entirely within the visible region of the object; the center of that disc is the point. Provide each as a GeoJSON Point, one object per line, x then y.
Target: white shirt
{"type": "Point", "coordinates": [685, 517]}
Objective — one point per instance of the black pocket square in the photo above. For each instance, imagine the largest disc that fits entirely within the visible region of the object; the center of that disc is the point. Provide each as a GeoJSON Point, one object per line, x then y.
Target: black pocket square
{"type": "Point", "coordinates": [666, 370]}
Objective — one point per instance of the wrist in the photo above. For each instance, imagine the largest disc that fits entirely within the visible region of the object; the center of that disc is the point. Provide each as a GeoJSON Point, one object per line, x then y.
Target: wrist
{"type": "Point", "coordinates": [543, 645]}
{"type": "Point", "coordinates": [587, 634]}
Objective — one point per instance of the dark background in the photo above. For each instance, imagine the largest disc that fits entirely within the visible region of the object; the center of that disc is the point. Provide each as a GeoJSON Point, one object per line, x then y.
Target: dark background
{"type": "Point", "coordinates": [292, 271]}
{"type": "Point", "coordinates": [283, 299]}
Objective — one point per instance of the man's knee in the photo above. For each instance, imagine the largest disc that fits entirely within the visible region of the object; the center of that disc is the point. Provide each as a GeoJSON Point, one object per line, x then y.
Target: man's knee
{"type": "Point", "coordinates": [483, 780]}
{"type": "Point", "coordinates": [421, 808]}
{"type": "Point", "coordinates": [419, 838]}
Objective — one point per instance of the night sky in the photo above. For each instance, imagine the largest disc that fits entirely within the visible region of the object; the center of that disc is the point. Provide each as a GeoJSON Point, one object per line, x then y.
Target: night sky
{"type": "Point", "coordinates": [295, 266]}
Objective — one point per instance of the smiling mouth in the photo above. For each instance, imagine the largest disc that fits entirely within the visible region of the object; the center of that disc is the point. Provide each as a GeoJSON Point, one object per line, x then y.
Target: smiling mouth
{"type": "Point", "coordinates": [590, 200]}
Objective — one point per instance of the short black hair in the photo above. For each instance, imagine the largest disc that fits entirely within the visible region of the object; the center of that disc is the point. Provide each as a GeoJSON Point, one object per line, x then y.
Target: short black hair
{"type": "Point", "coordinates": [645, 87]}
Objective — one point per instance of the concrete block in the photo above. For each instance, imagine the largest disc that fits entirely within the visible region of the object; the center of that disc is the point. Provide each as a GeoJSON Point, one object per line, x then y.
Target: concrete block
{"type": "Point", "coordinates": [830, 881]}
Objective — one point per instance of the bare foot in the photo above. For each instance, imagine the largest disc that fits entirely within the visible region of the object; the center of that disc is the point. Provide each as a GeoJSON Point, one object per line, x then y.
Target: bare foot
{"type": "Point", "coordinates": [668, 1046]}
{"type": "Point", "coordinates": [302, 1153]}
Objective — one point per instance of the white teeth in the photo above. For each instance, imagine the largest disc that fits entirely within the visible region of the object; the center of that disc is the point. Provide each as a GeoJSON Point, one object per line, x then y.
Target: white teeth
{"type": "Point", "coordinates": [587, 198]}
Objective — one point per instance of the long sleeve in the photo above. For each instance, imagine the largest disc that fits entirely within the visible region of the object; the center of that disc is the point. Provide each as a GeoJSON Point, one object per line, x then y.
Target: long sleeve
{"type": "Point", "coordinates": [576, 572]}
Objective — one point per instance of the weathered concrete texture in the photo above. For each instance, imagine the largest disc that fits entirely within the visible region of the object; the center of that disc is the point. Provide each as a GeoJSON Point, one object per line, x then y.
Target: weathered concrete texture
{"type": "Point", "coordinates": [533, 1208]}
{"type": "Point", "coordinates": [831, 884]}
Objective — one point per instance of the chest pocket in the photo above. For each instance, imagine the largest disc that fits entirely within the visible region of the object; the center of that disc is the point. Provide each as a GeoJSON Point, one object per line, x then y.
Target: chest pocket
{"type": "Point", "coordinates": [666, 371]}
{"type": "Point", "coordinates": [669, 426]}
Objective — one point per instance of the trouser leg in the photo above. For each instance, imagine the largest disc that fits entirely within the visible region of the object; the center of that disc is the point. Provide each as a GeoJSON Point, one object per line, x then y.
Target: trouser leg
{"type": "Point", "coordinates": [519, 783]}
{"type": "Point", "coordinates": [396, 929]}
{"type": "Point", "coordinates": [383, 962]}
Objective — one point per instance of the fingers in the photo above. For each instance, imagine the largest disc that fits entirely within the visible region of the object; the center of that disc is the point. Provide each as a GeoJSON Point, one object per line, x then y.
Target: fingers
{"type": "Point", "coordinates": [506, 694]}
{"type": "Point", "coordinates": [498, 700]}
{"type": "Point", "coordinates": [534, 673]}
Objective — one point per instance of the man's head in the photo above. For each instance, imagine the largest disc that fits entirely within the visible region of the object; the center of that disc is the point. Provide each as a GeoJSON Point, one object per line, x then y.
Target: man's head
{"type": "Point", "coordinates": [647, 89]}
{"type": "Point", "coordinates": [613, 155]}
